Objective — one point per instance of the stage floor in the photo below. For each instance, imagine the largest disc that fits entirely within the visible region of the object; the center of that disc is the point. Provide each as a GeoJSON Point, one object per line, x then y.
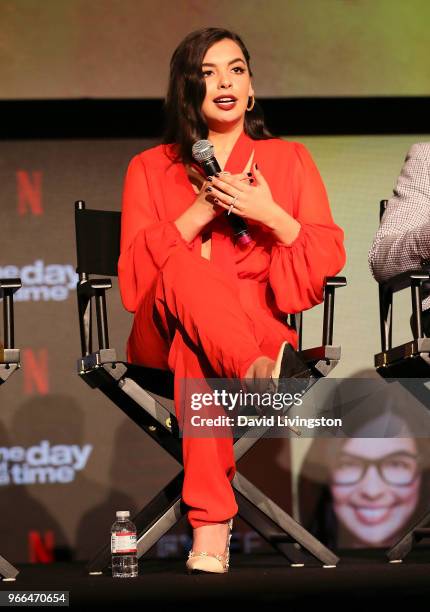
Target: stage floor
{"type": "Point", "coordinates": [362, 580]}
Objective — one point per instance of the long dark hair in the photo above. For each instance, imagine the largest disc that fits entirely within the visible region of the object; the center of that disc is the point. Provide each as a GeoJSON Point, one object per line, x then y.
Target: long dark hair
{"type": "Point", "coordinates": [185, 122]}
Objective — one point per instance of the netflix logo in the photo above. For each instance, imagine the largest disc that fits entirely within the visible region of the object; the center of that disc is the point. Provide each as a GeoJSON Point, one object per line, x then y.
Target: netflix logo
{"type": "Point", "coordinates": [41, 548]}
{"type": "Point", "coordinates": [29, 192]}
{"type": "Point", "coordinates": [36, 371]}
{"type": "Point", "coordinates": [42, 282]}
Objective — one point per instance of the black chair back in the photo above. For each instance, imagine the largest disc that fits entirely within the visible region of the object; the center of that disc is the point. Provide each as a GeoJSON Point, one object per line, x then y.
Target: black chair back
{"type": "Point", "coordinates": [97, 240]}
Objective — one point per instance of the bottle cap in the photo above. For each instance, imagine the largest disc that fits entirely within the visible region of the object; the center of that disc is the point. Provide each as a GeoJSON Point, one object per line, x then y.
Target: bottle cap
{"type": "Point", "coordinates": [122, 513]}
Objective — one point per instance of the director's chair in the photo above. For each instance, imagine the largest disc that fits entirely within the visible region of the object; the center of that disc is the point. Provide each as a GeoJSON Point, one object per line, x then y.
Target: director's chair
{"type": "Point", "coordinates": [409, 362]}
{"type": "Point", "coordinates": [9, 362]}
{"type": "Point", "coordinates": [146, 396]}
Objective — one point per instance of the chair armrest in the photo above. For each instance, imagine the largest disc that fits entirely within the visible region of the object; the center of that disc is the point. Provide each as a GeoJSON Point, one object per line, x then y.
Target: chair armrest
{"type": "Point", "coordinates": [89, 287]}
{"type": "Point", "coordinates": [8, 286]}
{"type": "Point", "coordinates": [403, 280]}
{"type": "Point", "coordinates": [322, 359]}
{"type": "Point", "coordinates": [413, 279]}
{"type": "Point", "coordinates": [87, 290]}
{"type": "Point", "coordinates": [331, 283]}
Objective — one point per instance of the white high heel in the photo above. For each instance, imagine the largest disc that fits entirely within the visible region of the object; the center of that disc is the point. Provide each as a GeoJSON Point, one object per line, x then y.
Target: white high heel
{"type": "Point", "coordinates": [209, 562]}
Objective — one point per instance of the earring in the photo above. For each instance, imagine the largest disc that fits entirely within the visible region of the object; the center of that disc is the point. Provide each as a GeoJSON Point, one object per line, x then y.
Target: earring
{"type": "Point", "coordinates": [249, 108]}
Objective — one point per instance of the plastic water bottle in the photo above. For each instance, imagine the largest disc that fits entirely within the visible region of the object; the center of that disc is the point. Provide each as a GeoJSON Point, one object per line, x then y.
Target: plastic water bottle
{"type": "Point", "coordinates": [123, 546]}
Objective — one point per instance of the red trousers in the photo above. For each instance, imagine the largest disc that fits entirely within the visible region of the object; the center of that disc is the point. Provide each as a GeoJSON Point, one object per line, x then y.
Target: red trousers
{"type": "Point", "coordinates": [193, 322]}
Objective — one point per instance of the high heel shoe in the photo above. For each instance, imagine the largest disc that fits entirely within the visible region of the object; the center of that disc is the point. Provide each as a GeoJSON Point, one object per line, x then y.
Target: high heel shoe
{"type": "Point", "coordinates": [291, 375]}
{"type": "Point", "coordinates": [288, 364]}
{"type": "Point", "coordinates": [209, 562]}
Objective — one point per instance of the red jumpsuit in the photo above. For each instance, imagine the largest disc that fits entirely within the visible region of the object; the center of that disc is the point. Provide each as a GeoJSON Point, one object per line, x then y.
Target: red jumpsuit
{"type": "Point", "coordinates": [211, 319]}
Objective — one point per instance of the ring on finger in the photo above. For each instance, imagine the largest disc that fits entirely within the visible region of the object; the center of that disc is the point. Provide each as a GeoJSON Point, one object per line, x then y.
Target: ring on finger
{"type": "Point", "coordinates": [235, 198]}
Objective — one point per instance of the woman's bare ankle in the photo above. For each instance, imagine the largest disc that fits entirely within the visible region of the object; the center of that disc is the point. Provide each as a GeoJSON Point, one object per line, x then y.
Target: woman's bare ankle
{"type": "Point", "coordinates": [211, 538]}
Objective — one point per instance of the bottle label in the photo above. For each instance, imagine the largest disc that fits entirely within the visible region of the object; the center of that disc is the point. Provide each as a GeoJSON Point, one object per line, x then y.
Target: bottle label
{"type": "Point", "coordinates": [123, 542]}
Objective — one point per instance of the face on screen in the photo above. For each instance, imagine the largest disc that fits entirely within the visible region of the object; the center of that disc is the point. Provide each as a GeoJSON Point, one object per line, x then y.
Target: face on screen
{"type": "Point", "coordinates": [375, 486]}
{"type": "Point", "coordinates": [228, 85]}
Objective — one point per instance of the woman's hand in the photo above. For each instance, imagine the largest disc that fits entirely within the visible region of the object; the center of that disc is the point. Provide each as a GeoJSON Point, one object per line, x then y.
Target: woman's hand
{"type": "Point", "coordinates": [250, 199]}
{"type": "Point", "coordinates": [204, 208]}
{"type": "Point", "coordinates": [253, 200]}
{"type": "Point", "coordinates": [205, 205]}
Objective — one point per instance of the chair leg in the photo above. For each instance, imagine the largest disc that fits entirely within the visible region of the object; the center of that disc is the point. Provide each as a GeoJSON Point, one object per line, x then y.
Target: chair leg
{"type": "Point", "coordinates": [270, 532]}
{"type": "Point", "coordinates": [403, 547]}
{"type": "Point", "coordinates": [7, 570]}
{"type": "Point", "coordinates": [283, 520]}
{"type": "Point", "coordinates": [149, 536]}
{"type": "Point", "coordinates": [165, 510]}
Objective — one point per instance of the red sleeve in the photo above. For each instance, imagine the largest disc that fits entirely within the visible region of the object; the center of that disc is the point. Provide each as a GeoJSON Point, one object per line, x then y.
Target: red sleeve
{"type": "Point", "coordinates": [297, 270]}
{"type": "Point", "coordinates": [146, 240]}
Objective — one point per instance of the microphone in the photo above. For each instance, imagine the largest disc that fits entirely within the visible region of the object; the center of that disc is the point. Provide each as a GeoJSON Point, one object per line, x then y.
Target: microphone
{"type": "Point", "coordinates": [203, 152]}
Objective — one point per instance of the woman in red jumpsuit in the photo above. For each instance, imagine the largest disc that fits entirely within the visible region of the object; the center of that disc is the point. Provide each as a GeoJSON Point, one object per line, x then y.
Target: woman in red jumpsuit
{"type": "Point", "coordinates": [205, 307]}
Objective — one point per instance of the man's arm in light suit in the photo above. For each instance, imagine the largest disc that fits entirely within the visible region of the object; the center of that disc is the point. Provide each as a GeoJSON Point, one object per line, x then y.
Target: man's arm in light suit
{"type": "Point", "coordinates": [402, 241]}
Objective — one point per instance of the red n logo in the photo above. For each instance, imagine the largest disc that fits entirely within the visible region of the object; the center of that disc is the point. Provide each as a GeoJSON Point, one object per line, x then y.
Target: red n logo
{"type": "Point", "coordinates": [35, 370]}
{"type": "Point", "coordinates": [41, 550]}
{"type": "Point", "coordinates": [29, 192]}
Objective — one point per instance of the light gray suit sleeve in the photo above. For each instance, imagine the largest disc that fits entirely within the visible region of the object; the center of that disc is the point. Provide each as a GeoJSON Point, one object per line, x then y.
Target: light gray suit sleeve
{"type": "Point", "coordinates": [402, 241]}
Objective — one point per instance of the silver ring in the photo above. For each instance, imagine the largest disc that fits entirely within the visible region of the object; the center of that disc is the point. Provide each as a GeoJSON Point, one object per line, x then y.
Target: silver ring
{"type": "Point", "coordinates": [235, 198]}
